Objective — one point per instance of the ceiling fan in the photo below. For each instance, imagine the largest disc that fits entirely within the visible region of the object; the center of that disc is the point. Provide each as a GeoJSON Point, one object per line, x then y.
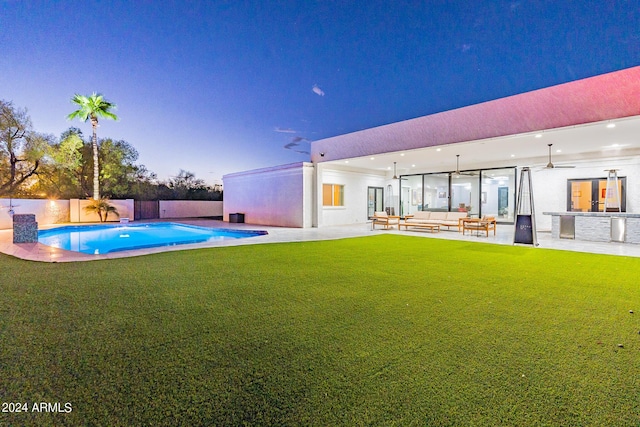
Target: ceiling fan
{"type": "Point", "coordinates": [457, 173]}
{"type": "Point", "coordinates": [550, 165]}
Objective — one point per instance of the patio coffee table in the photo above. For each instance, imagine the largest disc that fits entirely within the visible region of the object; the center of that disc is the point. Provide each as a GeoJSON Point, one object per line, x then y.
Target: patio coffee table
{"type": "Point", "coordinates": [434, 228]}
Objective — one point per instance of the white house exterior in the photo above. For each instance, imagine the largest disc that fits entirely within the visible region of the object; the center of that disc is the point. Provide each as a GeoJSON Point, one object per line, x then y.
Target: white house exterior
{"type": "Point", "coordinates": [280, 196]}
{"type": "Point", "coordinates": [593, 125]}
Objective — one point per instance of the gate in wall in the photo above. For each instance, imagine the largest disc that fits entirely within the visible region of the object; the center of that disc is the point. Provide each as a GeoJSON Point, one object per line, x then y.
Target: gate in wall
{"type": "Point", "coordinates": [146, 209]}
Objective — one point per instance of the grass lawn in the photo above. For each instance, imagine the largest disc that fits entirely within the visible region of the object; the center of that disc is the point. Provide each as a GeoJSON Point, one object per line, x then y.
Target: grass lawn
{"type": "Point", "coordinates": [381, 330]}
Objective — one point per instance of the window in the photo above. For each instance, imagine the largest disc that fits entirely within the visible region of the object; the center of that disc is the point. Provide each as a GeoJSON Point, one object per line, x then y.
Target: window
{"type": "Point", "coordinates": [332, 195]}
{"type": "Point", "coordinates": [590, 195]}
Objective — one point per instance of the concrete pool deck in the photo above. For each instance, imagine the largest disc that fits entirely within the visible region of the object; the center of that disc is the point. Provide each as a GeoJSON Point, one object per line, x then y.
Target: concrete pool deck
{"type": "Point", "coordinates": [504, 236]}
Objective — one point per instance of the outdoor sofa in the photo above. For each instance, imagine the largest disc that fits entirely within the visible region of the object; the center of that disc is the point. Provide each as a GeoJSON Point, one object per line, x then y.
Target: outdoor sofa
{"type": "Point", "coordinates": [443, 219]}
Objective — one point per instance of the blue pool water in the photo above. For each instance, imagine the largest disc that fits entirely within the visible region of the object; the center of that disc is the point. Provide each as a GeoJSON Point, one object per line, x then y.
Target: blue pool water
{"type": "Point", "coordinates": [102, 239]}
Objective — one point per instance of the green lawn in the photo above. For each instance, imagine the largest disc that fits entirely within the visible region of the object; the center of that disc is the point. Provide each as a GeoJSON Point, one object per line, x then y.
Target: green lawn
{"type": "Point", "coordinates": [382, 330]}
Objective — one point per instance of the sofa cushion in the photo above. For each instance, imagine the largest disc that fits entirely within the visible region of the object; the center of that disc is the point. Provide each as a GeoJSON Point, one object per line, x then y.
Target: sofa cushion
{"type": "Point", "coordinates": [455, 216]}
{"type": "Point", "coordinates": [438, 216]}
{"type": "Point", "coordinates": [421, 215]}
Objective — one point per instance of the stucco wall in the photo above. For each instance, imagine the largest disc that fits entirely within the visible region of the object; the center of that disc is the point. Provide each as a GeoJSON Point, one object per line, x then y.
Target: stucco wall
{"type": "Point", "coordinates": [308, 207]}
{"type": "Point", "coordinates": [595, 99]}
{"type": "Point", "coordinates": [550, 185]}
{"type": "Point", "coordinates": [190, 208]}
{"type": "Point", "coordinates": [46, 211]}
{"type": "Point", "coordinates": [355, 195]}
{"type": "Point", "coordinates": [60, 211]}
{"type": "Point", "coordinates": [270, 196]}
{"type": "Point", "coordinates": [78, 214]}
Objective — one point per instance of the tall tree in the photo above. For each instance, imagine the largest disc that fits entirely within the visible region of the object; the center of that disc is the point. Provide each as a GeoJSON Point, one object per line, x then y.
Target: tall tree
{"type": "Point", "coordinates": [61, 175]}
{"type": "Point", "coordinates": [92, 107]}
{"type": "Point", "coordinates": [22, 150]}
{"type": "Point", "coordinates": [117, 167]}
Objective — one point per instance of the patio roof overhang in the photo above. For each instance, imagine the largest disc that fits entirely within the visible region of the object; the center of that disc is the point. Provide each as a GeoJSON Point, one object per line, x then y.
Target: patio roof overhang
{"type": "Point", "coordinates": [576, 117]}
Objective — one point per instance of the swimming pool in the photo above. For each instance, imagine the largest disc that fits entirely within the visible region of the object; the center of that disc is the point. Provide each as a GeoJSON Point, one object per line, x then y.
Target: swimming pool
{"type": "Point", "coordinates": [102, 239]}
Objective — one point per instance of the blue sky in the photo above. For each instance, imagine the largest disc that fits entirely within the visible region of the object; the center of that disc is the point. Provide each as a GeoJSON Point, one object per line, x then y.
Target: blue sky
{"type": "Point", "coordinates": [224, 86]}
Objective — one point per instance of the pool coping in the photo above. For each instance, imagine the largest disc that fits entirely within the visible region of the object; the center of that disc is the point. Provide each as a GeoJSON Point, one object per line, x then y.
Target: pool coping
{"type": "Point", "coordinates": [44, 253]}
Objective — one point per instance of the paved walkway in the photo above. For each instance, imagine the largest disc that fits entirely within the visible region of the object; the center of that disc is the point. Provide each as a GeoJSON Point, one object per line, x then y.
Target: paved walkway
{"type": "Point", "coordinates": [504, 236]}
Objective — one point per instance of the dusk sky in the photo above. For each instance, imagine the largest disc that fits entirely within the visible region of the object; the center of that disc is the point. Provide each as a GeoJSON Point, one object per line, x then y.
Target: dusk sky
{"type": "Point", "coordinates": [224, 86]}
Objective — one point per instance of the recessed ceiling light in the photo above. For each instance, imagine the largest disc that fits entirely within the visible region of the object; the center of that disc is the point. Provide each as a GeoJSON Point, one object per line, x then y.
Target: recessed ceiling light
{"type": "Point", "coordinates": [346, 161]}
{"type": "Point", "coordinates": [371, 158]}
{"type": "Point", "coordinates": [558, 151]}
{"type": "Point", "coordinates": [413, 166]}
{"type": "Point", "coordinates": [538, 135]}
{"type": "Point", "coordinates": [611, 125]}
{"type": "Point", "coordinates": [615, 145]}
{"type": "Point", "coordinates": [513, 155]}
{"type": "Point", "coordinates": [401, 154]}
{"type": "Point", "coordinates": [439, 149]}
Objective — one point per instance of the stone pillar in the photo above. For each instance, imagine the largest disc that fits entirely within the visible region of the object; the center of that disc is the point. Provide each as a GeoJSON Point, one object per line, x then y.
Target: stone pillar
{"type": "Point", "coordinates": [25, 228]}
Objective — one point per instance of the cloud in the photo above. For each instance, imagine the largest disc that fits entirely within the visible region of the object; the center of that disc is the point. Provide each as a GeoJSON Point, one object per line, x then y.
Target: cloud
{"type": "Point", "coordinates": [295, 142]}
{"type": "Point", "coordinates": [281, 130]}
{"type": "Point", "coordinates": [317, 90]}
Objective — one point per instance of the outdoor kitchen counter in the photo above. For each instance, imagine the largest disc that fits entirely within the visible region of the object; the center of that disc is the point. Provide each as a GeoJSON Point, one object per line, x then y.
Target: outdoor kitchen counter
{"type": "Point", "coordinates": [596, 226]}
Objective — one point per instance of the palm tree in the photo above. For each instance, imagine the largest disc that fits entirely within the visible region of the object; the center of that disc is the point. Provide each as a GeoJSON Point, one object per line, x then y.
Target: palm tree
{"type": "Point", "coordinates": [92, 107]}
{"type": "Point", "coordinates": [101, 206]}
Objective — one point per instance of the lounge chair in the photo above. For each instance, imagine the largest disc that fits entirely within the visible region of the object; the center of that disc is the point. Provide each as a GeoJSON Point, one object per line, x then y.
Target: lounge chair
{"type": "Point", "coordinates": [485, 224]}
{"type": "Point", "coordinates": [385, 220]}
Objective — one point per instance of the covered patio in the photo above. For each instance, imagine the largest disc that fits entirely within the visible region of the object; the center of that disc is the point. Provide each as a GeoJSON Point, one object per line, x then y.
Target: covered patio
{"type": "Point", "coordinates": [460, 159]}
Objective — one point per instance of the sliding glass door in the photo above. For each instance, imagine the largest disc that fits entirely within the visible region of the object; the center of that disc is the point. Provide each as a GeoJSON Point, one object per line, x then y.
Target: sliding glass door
{"type": "Point", "coordinates": [465, 194]}
{"type": "Point", "coordinates": [412, 194]}
{"type": "Point", "coordinates": [498, 193]}
{"type": "Point", "coordinates": [480, 192]}
{"type": "Point", "coordinates": [436, 192]}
